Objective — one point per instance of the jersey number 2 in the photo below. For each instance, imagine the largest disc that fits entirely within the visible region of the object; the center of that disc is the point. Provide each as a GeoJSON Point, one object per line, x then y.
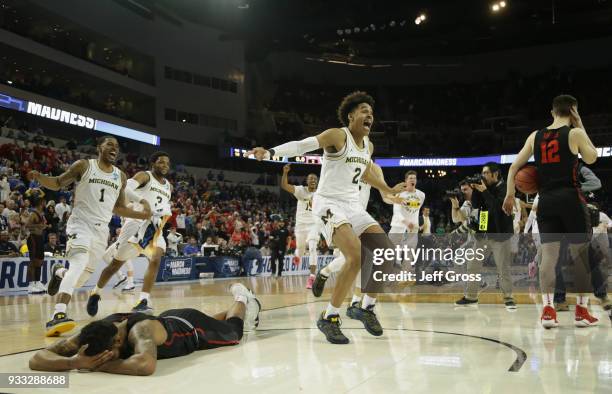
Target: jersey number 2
{"type": "Point", "coordinates": [550, 151]}
{"type": "Point", "coordinates": [102, 195]}
{"type": "Point", "coordinates": [356, 177]}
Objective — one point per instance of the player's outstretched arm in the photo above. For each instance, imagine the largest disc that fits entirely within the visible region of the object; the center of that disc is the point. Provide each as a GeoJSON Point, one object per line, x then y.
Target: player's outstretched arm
{"type": "Point", "coordinates": [121, 208]}
{"type": "Point", "coordinates": [73, 174]}
{"type": "Point", "coordinates": [65, 355]}
{"type": "Point", "coordinates": [521, 159]}
{"type": "Point", "coordinates": [374, 176]}
{"type": "Point", "coordinates": [329, 138]}
{"type": "Point", "coordinates": [285, 185]}
{"type": "Point", "coordinates": [144, 360]}
{"type": "Point", "coordinates": [134, 183]}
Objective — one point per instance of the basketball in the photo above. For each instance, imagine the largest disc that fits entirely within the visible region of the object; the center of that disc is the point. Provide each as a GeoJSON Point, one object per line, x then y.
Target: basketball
{"type": "Point", "coordinates": [526, 180]}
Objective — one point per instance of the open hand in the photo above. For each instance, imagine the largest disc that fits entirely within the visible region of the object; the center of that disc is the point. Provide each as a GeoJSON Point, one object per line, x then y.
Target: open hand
{"type": "Point", "coordinates": [259, 153]}
{"type": "Point", "coordinates": [399, 187]}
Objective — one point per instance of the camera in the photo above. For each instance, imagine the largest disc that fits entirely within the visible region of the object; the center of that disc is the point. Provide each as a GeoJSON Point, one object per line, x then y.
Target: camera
{"type": "Point", "coordinates": [476, 178]}
{"type": "Point", "coordinates": [468, 227]}
{"type": "Point", "coordinates": [454, 193]}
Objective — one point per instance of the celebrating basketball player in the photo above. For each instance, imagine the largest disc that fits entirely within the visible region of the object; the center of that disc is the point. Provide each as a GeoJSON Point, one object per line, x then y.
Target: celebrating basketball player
{"type": "Point", "coordinates": [307, 228]}
{"type": "Point", "coordinates": [346, 160]}
{"type": "Point", "coordinates": [99, 192]}
{"type": "Point", "coordinates": [140, 236]}
{"type": "Point", "coordinates": [131, 343]}
{"type": "Point", "coordinates": [561, 209]}
{"type": "Point", "coordinates": [338, 262]}
{"type": "Point", "coordinates": [405, 220]}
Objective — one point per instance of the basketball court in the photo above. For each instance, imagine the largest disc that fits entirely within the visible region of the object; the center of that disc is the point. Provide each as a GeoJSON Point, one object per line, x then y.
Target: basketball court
{"type": "Point", "coordinates": [429, 346]}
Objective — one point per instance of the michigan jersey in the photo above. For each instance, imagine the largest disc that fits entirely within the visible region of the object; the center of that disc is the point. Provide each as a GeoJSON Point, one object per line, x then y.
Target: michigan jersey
{"type": "Point", "coordinates": [408, 212]}
{"type": "Point", "coordinates": [364, 194]}
{"type": "Point", "coordinates": [303, 214]}
{"type": "Point", "coordinates": [155, 193]}
{"type": "Point", "coordinates": [95, 195]}
{"type": "Point", "coordinates": [341, 171]}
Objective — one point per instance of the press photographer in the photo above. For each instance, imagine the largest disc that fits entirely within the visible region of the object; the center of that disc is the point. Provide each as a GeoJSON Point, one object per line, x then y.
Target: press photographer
{"type": "Point", "coordinates": [493, 232]}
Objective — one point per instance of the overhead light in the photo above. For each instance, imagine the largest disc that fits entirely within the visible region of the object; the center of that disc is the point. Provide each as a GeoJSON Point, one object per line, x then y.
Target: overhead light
{"type": "Point", "coordinates": [392, 23]}
{"type": "Point", "coordinates": [495, 7]}
{"type": "Point", "coordinates": [502, 4]}
{"type": "Point", "coordinates": [417, 21]}
{"type": "Point", "coordinates": [423, 17]}
{"type": "Point", "coordinates": [9, 82]}
{"type": "Point", "coordinates": [340, 32]}
{"type": "Point", "coordinates": [373, 27]}
{"type": "Point", "coordinates": [356, 30]}
{"type": "Point", "coordinates": [347, 31]}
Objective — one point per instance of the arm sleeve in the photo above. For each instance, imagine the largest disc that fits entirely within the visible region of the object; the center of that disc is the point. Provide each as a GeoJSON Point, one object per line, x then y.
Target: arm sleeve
{"type": "Point", "coordinates": [295, 148]}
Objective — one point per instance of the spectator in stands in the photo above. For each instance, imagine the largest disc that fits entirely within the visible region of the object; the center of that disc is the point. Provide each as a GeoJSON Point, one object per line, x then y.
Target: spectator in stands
{"type": "Point", "coordinates": [5, 188]}
{"type": "Point", "coordinates": [52, 246]}
{"type": "Point", "coordinates": [51, 218]}
{"type": "Point", "coordinates": [62, 208]}
{"type": "Point", "coordinates": [7, 248]}
{"type": "Point", "coordinates": [210, 175]}
{"type": "Point", "coordinates": [209, 247]}
{"type": "Point", "coordinates": [9, 209]}
{"type": "Point", "coordinates": [173, 239]}
{"type": "Point", "coordinates": [192, 247]}
{"type": "Point", "coordinates": [220, 176]}
{"type": "Point", "coordinates": [4, 225]}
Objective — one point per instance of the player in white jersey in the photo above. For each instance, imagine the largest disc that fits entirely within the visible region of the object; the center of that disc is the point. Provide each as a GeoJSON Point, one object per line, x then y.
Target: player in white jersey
{"type": "Point", "coordinates": [99, 192]}
{"type": "Point", "coordinates": [140, 236]}
{"type": "Point", "coordinates": [338, 262]}
{"type": "Point", "coordinates": [405, 221]}
{"type": "Point", "coordinates": [346, 161]}
{"type": "Point", "coordinates": [307, 227]}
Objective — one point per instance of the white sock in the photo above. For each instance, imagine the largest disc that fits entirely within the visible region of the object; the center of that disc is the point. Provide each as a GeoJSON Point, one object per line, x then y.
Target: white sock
{"type": "Point", "coordinates": [60, 308]}
{"type": "Point", "coordinates": [241, 298]}
{"type": "Point", "coordinates": [367, 301]}
{"type": "Point", "coordinates": [331, 310]}
{"type": "Point", "coordinates": [61, 272]}
{"type": "Point", "coordinates": [130, 281]}
{"type": "Point", "coordinates": [95, 290]}
{"type": "Point", "coordinates": [582, 300]}
{"type": "Point", "coordinates": [144, 296]}
{"type": "Point", "coordinates": [548, 299]}
{"type": "Point", "coordinates": [355, 299]}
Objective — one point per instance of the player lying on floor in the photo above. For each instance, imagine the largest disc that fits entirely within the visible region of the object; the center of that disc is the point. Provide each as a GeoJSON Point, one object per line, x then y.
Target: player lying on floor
{"type": "Point", "coordinates": [131, 343]}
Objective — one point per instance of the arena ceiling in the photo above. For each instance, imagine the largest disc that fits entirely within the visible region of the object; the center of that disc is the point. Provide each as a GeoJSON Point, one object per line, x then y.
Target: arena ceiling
{"type": "Point", "coordinates": [387, 29]}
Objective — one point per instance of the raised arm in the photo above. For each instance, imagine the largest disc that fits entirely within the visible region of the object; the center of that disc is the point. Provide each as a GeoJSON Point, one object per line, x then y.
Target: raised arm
{"type": "Point", "coordinates": [521, 159]}
{"type": "Point", "coordinates": [122, 210]}
{"type": "Point", "coordinates": [65, 355]}
{"type": "Point", "coordinates": [73, 174]}
{"type": "Point", "coordinates": [144, 360]}
{"type": "Point", "coordinates": [285, 182]}
{"type": "Point", "coordinates": [329, 138]}
{"type": "Point", "coordinates": [585, 146]}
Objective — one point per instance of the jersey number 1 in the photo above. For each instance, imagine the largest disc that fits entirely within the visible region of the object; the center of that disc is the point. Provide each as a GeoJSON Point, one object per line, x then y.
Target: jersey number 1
{"type": "Point", "coordinates": [102, 195]}
{"type": "Point", "coordinates": [550, 151]}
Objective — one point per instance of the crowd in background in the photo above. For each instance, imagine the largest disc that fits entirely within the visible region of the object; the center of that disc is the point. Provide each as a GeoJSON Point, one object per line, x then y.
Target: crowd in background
{"type": "Point", "coordinates": [209, 214]}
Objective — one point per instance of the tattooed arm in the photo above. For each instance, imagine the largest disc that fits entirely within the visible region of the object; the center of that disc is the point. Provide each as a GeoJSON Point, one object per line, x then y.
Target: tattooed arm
{"type": "Point", "coordinates": [144, 359]}
{"type": "Point", "coordinates": [65, 355]}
